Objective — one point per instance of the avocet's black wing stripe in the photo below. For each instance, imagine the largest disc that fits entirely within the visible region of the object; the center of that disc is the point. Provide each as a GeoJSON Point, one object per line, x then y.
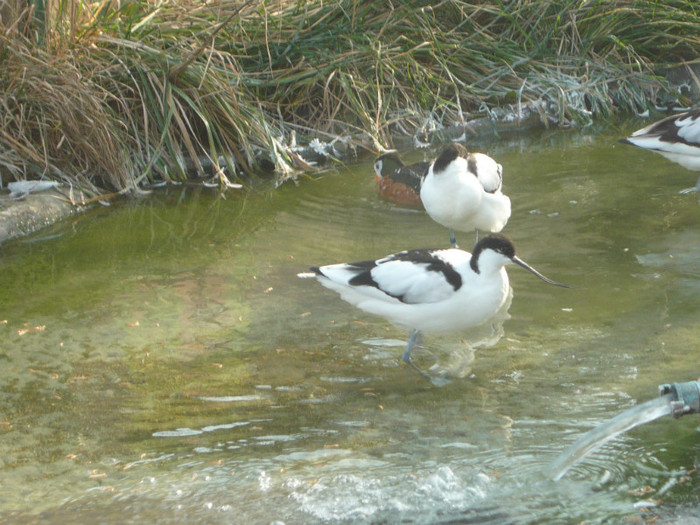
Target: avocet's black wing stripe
{"type": "Point", "coordinates": [683, 129]}
{"type": "Point", "coordinates": [416, 276]}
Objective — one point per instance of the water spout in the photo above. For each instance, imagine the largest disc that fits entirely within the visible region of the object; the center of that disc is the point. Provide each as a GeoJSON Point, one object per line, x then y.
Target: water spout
{"type": "Point", "coordinates": [677, 399]}
{"type": "Point", "coordinates": [686, 397]}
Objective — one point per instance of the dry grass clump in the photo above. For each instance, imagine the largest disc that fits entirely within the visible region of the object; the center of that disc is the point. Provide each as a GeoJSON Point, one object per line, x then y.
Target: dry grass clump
{"type": "Point", "coordinates": [55, 121]}
{"type": "Point", "coordinates": [112, 95]}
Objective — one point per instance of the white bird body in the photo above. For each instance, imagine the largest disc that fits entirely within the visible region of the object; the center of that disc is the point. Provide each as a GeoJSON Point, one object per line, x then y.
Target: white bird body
{"type": "Point", "coordinates": [439, 290]}
{"type": "Point", "coordinates": [676, 137]}
{"type": "Point", "coordinates": [408, 294]}
{"type": "Point", "coordinates": [462, 191]}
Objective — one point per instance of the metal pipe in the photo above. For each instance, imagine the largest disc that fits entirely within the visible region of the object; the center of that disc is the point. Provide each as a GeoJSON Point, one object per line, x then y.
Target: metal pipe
{"type": "Point", "coordinates": [686, 397]}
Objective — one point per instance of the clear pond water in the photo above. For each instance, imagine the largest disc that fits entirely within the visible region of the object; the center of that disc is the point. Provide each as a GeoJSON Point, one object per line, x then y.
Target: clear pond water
{"type": "Point", "coordinates": [162, 363]}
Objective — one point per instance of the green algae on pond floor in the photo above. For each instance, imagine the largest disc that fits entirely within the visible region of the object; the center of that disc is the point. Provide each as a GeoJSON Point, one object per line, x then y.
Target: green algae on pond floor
{"type": "Point", "coordinates": [162, 363]}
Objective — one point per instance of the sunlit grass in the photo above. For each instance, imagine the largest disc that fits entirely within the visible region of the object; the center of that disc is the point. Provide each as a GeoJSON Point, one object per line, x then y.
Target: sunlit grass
{"type": "Point", "coordinates": [112, 95]}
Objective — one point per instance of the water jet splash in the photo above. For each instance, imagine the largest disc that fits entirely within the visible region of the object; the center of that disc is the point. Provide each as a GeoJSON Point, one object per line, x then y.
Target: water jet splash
{"type": "Point", "coordinates": [677, 399]}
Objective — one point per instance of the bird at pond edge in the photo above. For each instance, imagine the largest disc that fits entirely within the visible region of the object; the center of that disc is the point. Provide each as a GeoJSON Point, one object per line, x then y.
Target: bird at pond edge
{"type": "Point", "coordinates": [398, 182]}
{"type": "Point", "coordinates": [425, 290]}
{"type": "Point", "coordinates": [462, 191]}
{"type": "Point", "coordinates": [676, 137]}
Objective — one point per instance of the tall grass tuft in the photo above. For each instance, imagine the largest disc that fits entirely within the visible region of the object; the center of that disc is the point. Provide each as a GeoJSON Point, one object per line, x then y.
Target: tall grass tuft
{"type": "Point", "coordinates": [114, 95]}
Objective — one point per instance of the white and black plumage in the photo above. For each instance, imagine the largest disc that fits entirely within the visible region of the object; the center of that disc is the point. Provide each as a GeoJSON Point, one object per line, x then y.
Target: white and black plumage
{"type": "Point", "coordinates": [676, 137]}
{"type": "Point", "coordinates": [438, 290]}
{"type": "Point", "coordinates": [462, 191]}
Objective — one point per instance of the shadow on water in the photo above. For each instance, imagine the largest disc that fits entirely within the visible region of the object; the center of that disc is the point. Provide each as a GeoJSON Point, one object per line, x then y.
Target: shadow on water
{"type": "Point", "coordinates": [163, 364]}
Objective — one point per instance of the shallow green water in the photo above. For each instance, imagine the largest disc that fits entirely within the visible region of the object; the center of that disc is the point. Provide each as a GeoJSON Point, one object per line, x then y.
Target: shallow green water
{"type": "Point", "coordinates": [162, 363]}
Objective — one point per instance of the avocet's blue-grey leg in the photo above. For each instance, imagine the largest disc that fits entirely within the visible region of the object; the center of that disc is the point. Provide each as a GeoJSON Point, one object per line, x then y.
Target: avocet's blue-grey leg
{"type": "Point", "coordinates": [694, 189]}
{"type": "Point", "coordinates": [453, 239]}
{"type": "Point", "coordinates": [476, 237]}
{"type": "Point", "coordinates": [406, 357]}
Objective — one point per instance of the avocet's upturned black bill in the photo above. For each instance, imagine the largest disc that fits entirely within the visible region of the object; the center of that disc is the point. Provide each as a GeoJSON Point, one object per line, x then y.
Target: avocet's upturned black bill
{"type": "Point", "coordinates": [439, 290]}
{"type": "Point", "coordinates": [676, 137]}
{"type": "Point", "coordinates": [462, 191]}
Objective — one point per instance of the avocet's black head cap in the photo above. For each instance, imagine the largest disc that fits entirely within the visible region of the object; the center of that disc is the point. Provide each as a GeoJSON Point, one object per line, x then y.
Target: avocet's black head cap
{"type": "Point", "coordinates": [495, 241]}
{"type": "Point", "coordinates": [448, 155]}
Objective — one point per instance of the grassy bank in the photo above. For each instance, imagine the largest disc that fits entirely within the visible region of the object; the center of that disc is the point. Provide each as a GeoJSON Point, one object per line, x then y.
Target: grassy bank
{"type": "Point", "coordinates": [114, 95]}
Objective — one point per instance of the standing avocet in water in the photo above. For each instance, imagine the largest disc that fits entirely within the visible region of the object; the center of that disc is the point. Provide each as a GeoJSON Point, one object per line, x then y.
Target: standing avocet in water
{"type": "Point", "coordinates": [439, 290]}
{"type": "Point", "coordinates": [462, 191]}
{"type": "Point", "coordinates": [676, 137]}
{"type": "Point", "coordinates": [397, 181]}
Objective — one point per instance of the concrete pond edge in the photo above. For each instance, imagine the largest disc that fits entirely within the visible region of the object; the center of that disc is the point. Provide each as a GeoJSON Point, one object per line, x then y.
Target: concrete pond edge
{"type": "Point", "coordinates": [19, 218]}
